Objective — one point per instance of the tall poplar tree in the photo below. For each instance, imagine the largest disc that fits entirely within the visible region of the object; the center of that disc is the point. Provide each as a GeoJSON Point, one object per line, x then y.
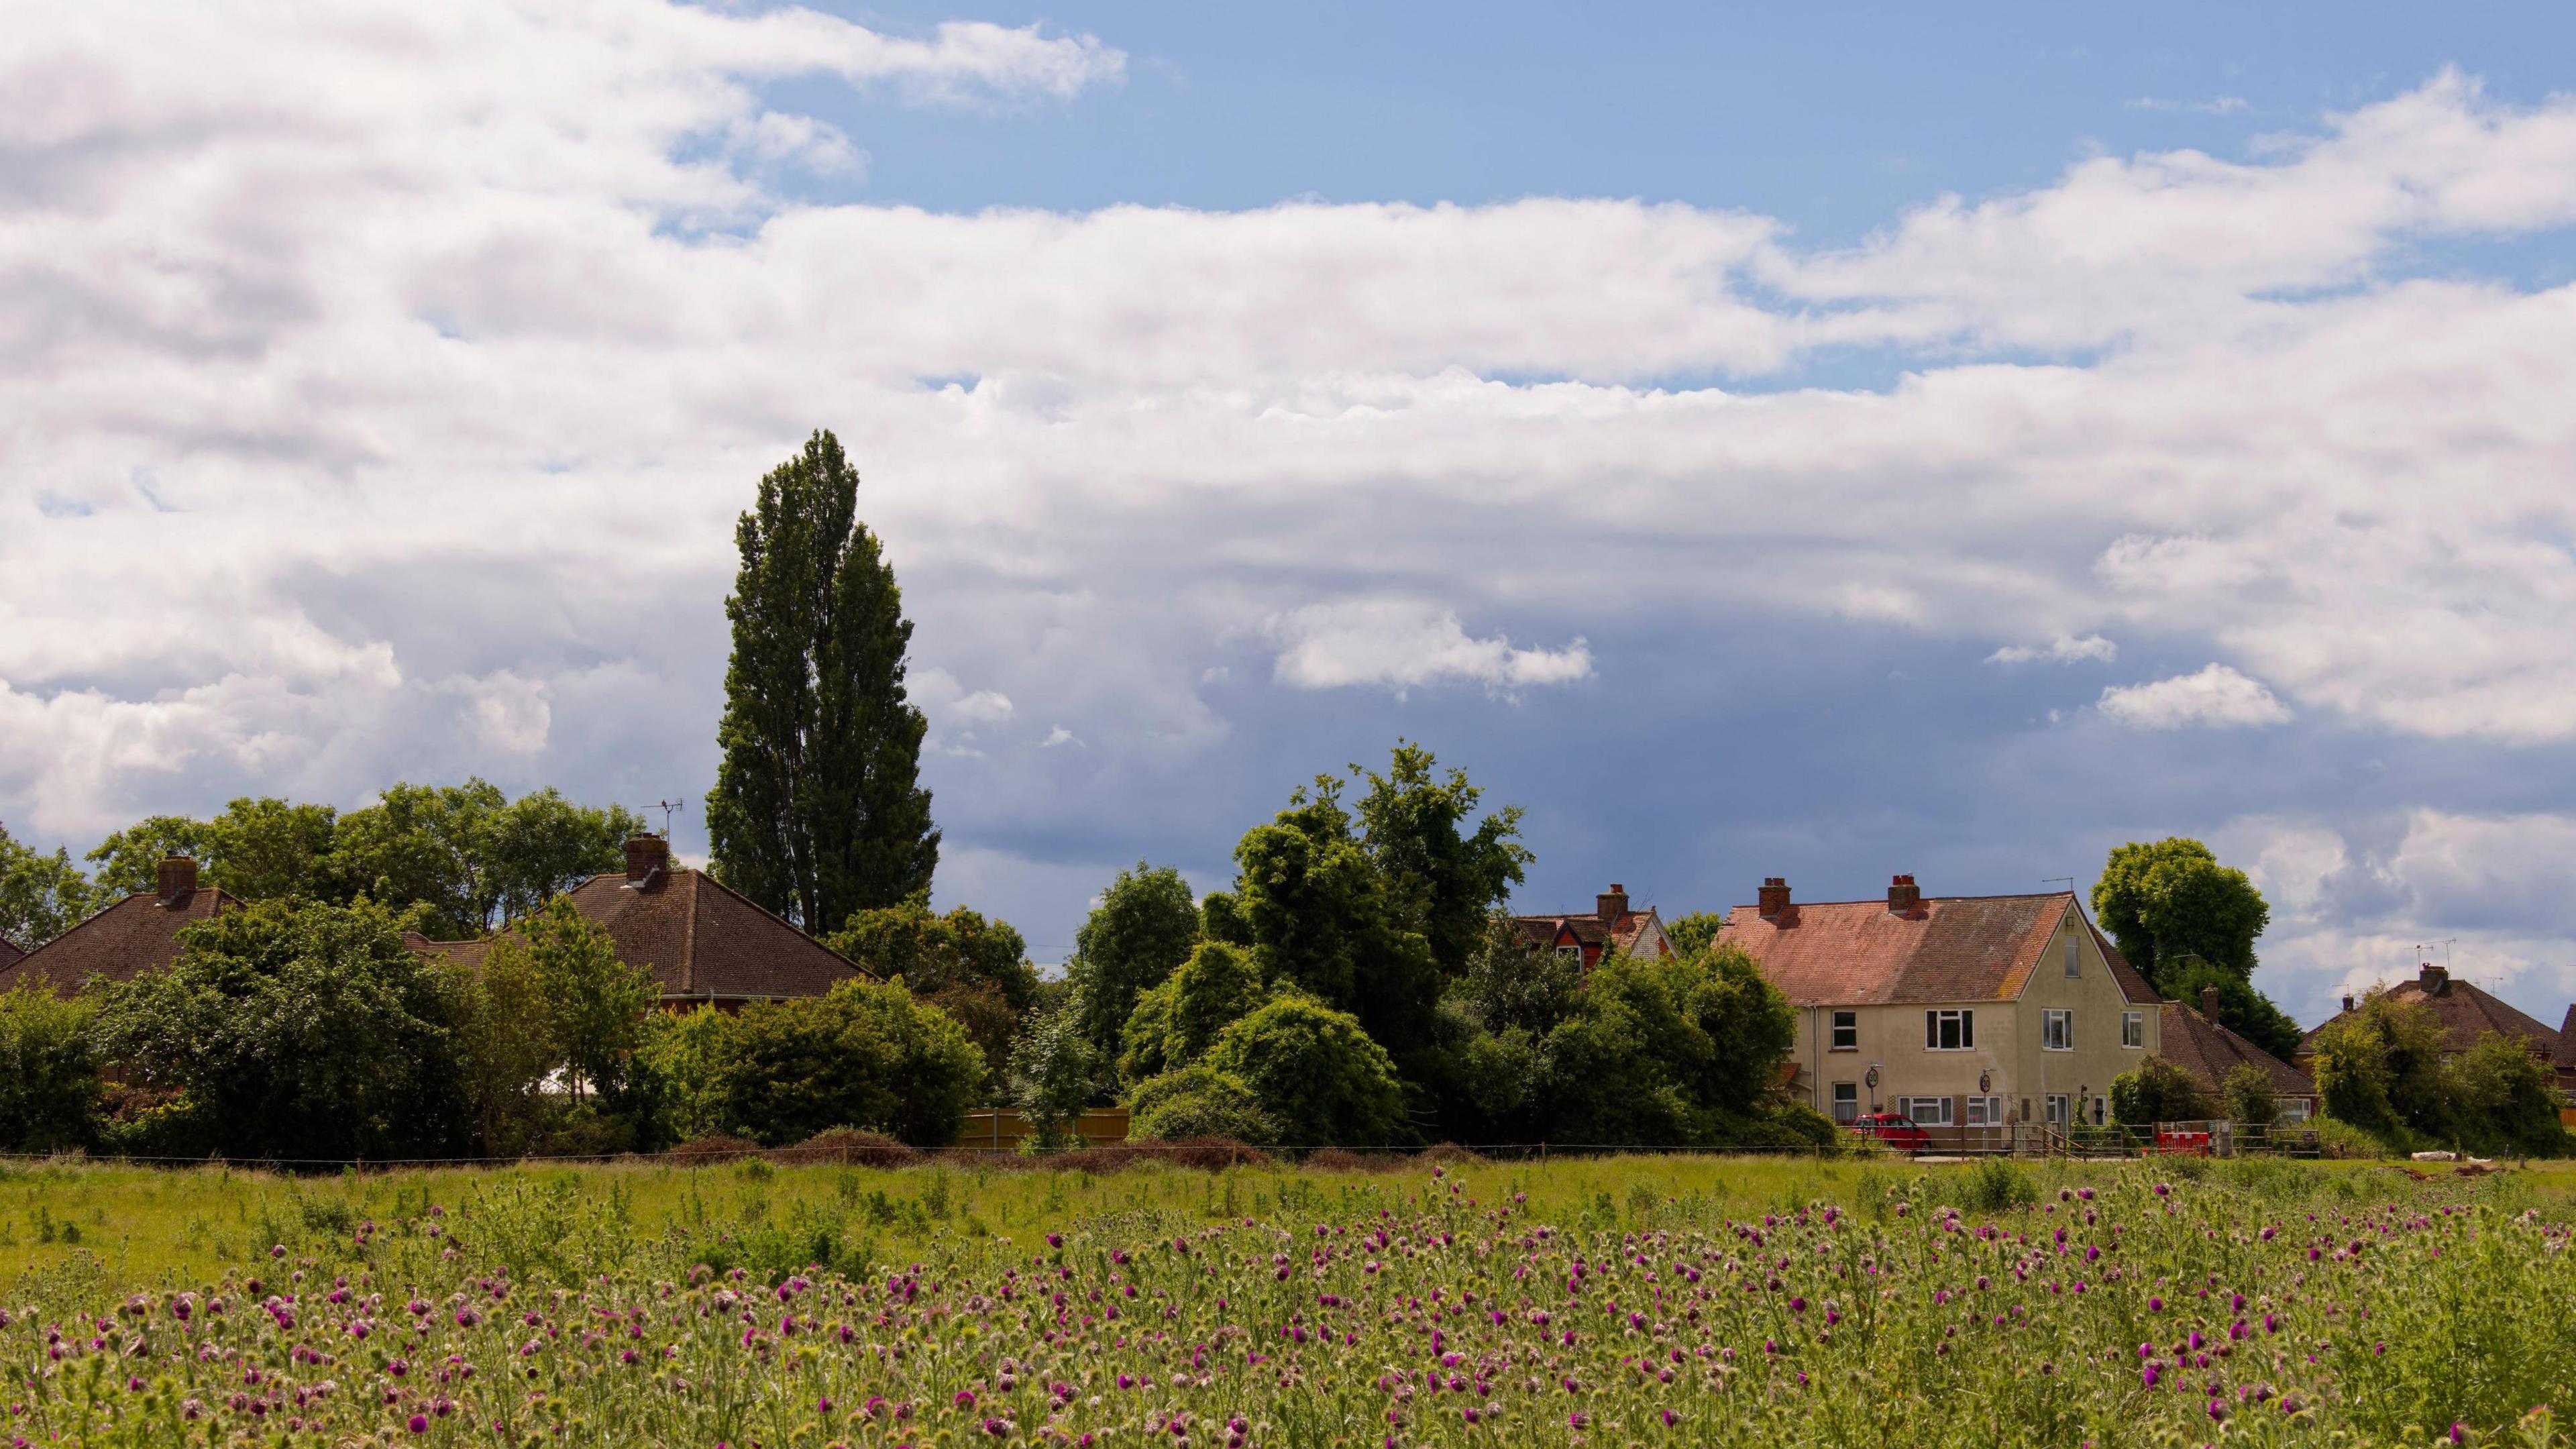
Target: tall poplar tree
{"type": "Point", "coordinates": [818, 810]}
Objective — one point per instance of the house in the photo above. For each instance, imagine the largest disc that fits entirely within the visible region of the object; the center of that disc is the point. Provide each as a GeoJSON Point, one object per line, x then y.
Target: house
{"type": "Point", "coordinates": [2466, 1013]}
{"type": "Point", "coordinates": [137, 934]}
{"type": "Point", "coordinates": [1974, 1012]}
{"type": "Point", "coordinates": [2196, 1042]}
{"type": "Point", "coordinates": [1611, 925]}
{"type": "Point", "coordinates": [705, 943]}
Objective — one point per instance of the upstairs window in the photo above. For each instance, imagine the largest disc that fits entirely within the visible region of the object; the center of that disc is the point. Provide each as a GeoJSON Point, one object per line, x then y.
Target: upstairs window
{"type": "Point", "coordinates": [2133, 1028]}
{"type": "Point", "coordinates": [1846, 1031]}
{"type": "Point", "coordinates": [1949, 1031]}
{"type": "Point", "coordinates": [2074, 957]}
{"type": "Point", "coordinates": [2057, 1031]}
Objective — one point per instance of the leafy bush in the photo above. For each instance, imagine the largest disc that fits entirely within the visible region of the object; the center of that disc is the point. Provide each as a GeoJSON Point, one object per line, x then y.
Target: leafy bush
{"type": "Point", "coordinates": [2159, 1091]}
{"type": "Point", "coordinates": [1673, 1051]}
{"type": "Point", "coordinates": [49, 1084]}
{"type": "Point", "coordinates": [298, 1030]}
{"type": "Point", "coordinates": [1176, 1022]}
{"type": "Point", "coordinates": [2248, 1091]}
{"type": "Point", "coordinates": [865, 1055]}
{"type": "Point", "coordinates": [1316, 1073]}
{"type": "Point", "coordinates": [1198, 1101]}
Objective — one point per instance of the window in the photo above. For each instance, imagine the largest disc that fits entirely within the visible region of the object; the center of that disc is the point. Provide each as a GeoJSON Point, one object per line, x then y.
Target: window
{"type": "Point", "coordinates": [2025, 1109]}
{"type": "Point", "coordinates": [1846, 1031]}
{"type": "Point", "coordinates": [2101, 1110]}
{"type": "Point", "coordinates": [1927, 1111]}
{"type": "Point", "coordinates": [1985, 1111]}
{"type": "Point", "coordinates": [1846, 1101]}
{"type": "Point", "coordinates": [2133, 1028]}
{"type": "Point", "coordinates": [2073, 958]}
{"type": "Point", "coordinates": [2057, 1031]}
{"type": "Point", "coordinates": [2294, 1109]}
{"type": "Point", "coordinates": [1570, 953]}
{"type": "Point", "coordinates": [2057, 1110]}
{"type": "Point", "coordinates": [1949, 1031]}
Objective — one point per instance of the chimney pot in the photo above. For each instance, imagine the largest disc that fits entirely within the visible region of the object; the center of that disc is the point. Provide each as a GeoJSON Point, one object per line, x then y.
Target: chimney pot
{"type": "Point", "coordinates": [1903, 895]}
{"type": "Point", "coordinates": [648, 861]}
{"type": "Point", "coordinates": [1774, 897]}
{"type": "Point", "coordinates": [1612, 903]}
{"type": "Point", "coordinates": [2209, 1002]}
{"type": "Point", "coordinates": [175, 880]}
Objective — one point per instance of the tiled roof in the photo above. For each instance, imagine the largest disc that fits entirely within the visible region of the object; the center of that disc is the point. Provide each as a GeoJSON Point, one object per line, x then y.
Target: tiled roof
{"type": "Point", "coordinates": [2209, 1051]}
{"type": "Point", "coordinates": [139, 933]}
{"type": "Point", "coordinates": [1589, 928]}
{"type": "Point", "coordinates": [9, 953]}
{"type": "Point", "coordinates": [2466, 1012]}
{"type": "Point", "coordinates": [701, 939]}
{"type": "Point", "coordinates": [1946, 948]}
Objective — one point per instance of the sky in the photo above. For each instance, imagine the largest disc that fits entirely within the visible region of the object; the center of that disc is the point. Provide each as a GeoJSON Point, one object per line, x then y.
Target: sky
{"type": "Point", "coordinates": [1822, 442]}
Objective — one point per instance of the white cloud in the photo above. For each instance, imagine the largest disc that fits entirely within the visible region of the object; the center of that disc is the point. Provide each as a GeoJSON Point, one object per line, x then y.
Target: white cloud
{"type": "Point", "coordinates": [1060, 736]}
{"type": "Point", "coordinates": [2214, 106]}
{"type": "Point", "coordinates": [1402, 644]}
{"type": "Point", "coordinates": [2217, 696]}
{"type": "Point", "coordinates": [2061, 650]}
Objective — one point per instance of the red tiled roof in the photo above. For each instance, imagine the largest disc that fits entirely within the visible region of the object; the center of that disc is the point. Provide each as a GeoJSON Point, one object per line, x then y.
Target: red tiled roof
{"type": "Point", "coordinates": [2466, 1012]}
{"type": "Point", "coordinates": [2209, 1051]}
{"type": "Point", "coordinates": [700, 938]}
{"type": "Point", "coordinates": [137, 934]}
{"type": "Point", "coordinates": [1588, 928]}
{"type": "Point", "coordinates": [1947, 948]}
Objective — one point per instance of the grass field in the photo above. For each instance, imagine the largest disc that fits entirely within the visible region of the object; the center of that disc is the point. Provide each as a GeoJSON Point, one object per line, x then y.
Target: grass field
{"type": "Point", "coordinates": [1625, 1300]}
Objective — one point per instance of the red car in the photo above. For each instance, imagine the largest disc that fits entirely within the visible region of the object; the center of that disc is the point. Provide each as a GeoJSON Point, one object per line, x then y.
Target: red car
{"type": "Point", "coordinates": [1893, 1128]}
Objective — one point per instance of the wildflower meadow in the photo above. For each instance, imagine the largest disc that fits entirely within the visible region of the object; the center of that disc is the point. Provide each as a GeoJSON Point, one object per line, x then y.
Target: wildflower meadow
{"type": "Point", "coordinates": [1457, 1304]}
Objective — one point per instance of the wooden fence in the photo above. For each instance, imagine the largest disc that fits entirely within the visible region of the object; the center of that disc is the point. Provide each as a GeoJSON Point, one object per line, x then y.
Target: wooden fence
{"type": "Point", "coordinates": [1003, 1129]}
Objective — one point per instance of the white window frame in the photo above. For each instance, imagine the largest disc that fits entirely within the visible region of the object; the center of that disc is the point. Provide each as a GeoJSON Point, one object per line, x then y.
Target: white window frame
{"type": "Point", "coordinates": [1985, 1112]}
{"type": "Point", "coordinates": [1836, 1025]}
{"type": "Point", "coordinates": [2074, 957]}
{"type": "Point", "coordinates": [2294, 1109]}
{"type": "Point", "coordinates": [1838, 1101]}
{"type": "Point", "coordinates": [1573, 952]}
{"type": "Point", "coordinates": [1934, 1019]}
{"type": "Point", "coordinates": [2058, 1107]}
{"type": "Point", "coordinates": [2133, 1030]}
{"type": "Point", "coordinates": [2057, 1029]}
{"type": "Point", "coordinates": [1938, 1115]}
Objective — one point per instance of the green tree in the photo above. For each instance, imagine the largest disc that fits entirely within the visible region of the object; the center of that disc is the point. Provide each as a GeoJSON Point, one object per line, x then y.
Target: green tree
{"type": "Point", "coordinates": [1507, 984]}
{"type": "Point", "coordinates": [2501, 1098]}
{"type": "Point", "coordinates": [1693, 933]}
{"type": "Point", "coordinates": [506, 1047]}
{"type": "Point", "coordinates": [1680, 1050]}
{"type": "Point", "coordinates": [257, 849]}
{"type": "Point", "coordinates": [975, 969]}
{"type": "Point", "coordinates": [1317, 1075]}
{"type": "Point", "coordinates": [471, 856]}
{"type": "Point", "coordinates": [865, 1054]}
{"type": "Point", "coordinates": [1143, 928]}
{"type": "Point", "coordinates": [1442, 877]}
{"type": "Point", "coordinates": [2173, 899]}
{"type": "Point", "coordinates": [1176, 1022]}
{"type": "Point", "coordinates": [2380, 1067]}
{"type": "Point", "coordinates": [2248, 1093]}
{"type": "Point", "coordinates": [2241, 1009]}
{"type": "Point", "coordinates": [2156, 1090]}
{"type": "Point", "coordinates": [595, 1002]}
{"type": "Point", "coordinates": [298, 1030]}
{"type": "Point", "coordinates": [41, 896]}
{"type": "Point", "coordinates": [49, 1072]}
{"type": "Point", "coordinates": [1055, 1073]}
{"type": "Point", "coordinates": [817, 810]}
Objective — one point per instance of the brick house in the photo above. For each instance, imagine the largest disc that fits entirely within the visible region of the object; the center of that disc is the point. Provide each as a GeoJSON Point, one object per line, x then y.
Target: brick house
{"type": "Point", "coordinates": [1610, 925]}
{"type": "Point", "coordinates": [137, 934]}
{"type": "Point", "coordinates": [1966, 1012]}
{"type": "Point", "coordinates": [705, 943]}
{"type": "Point", "coordinates": [2466, 1013]}
{"type": "Point", "coordinates": [2196, 1042]}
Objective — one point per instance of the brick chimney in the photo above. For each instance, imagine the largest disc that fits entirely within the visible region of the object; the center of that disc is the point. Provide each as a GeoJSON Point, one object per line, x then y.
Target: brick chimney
{"type": "Point", "coordinates": [2434, 979]}
{"type": "Point", "coordinates": [648, 862]}
{"type": "Point", "coordinates": [176, 880]}
{"type": "Point", "coordinates": [1611, 904]}
{"type": "Point", "coordinates": [2209, 1003]}
{"type": "Point", "coordinates": [1774, 897]}
{"type": "Point", "coordinates": [1903, 895]}
{"type": "Point", "coordinates": [2347, 1001]}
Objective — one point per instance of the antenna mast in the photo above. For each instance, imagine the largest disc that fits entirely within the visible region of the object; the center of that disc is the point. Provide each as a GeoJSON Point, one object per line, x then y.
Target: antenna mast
{"type": "Point", "coordinates": [666, 807]}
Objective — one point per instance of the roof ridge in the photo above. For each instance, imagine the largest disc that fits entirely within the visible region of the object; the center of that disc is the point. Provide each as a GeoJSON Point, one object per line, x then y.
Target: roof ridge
{"type": "Point", "coordinates": [709, 878]}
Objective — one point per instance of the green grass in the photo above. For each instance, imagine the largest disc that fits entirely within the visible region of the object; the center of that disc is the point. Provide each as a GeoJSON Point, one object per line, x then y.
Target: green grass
{"type": "Point", "coordinates": [129, 1229]}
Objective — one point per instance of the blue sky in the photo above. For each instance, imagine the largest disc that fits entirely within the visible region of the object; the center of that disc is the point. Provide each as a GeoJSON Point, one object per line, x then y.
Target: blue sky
{"type": "Point", "coordinates": [1821, 443]}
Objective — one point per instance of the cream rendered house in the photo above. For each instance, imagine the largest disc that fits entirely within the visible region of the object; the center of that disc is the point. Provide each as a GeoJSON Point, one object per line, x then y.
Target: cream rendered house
{"type": "Point", "coordinates": [1962, 1012]}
